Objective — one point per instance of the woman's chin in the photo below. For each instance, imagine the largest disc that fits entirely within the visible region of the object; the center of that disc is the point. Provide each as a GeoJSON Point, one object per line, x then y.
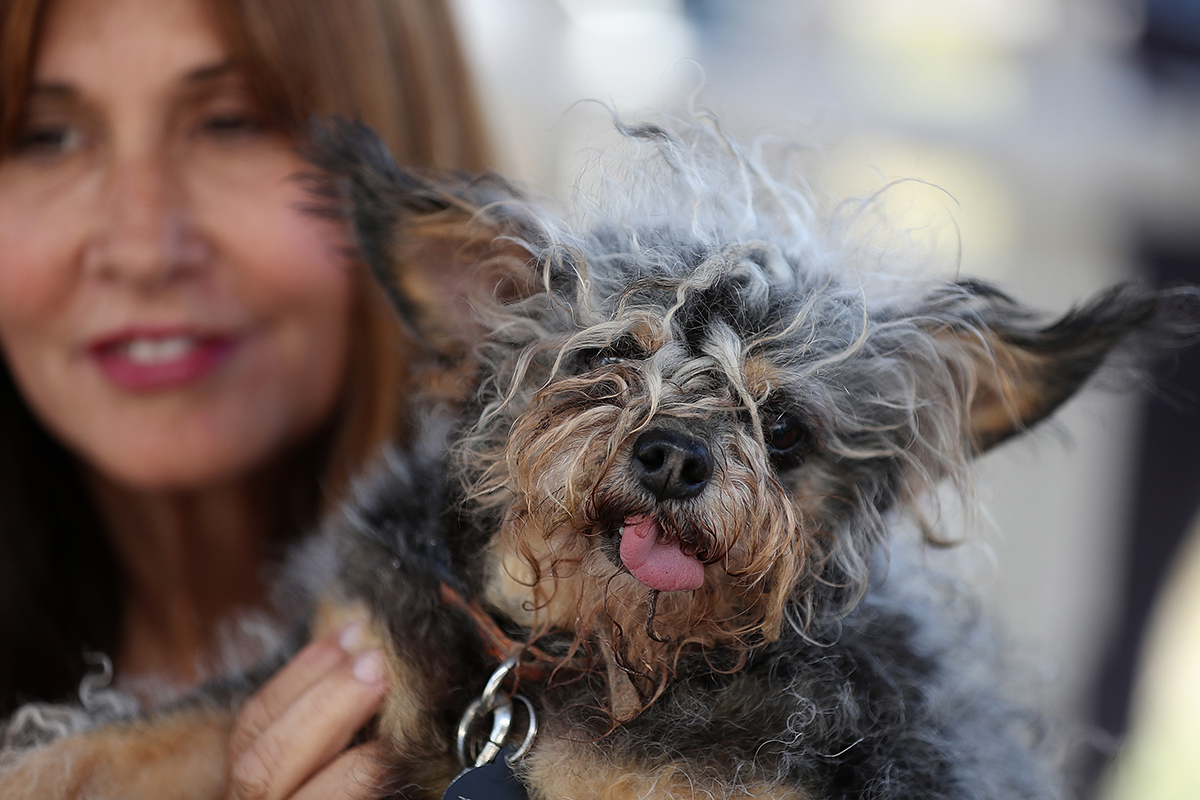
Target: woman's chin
{"type": "Point", "coordinates": [183, 468]}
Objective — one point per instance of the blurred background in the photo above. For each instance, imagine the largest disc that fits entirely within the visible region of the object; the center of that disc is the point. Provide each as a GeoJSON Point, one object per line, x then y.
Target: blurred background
{"type": "Point", "coordinates": [1056, 145]}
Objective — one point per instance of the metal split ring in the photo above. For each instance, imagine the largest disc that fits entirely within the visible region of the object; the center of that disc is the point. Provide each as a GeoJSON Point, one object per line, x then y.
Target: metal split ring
{"type": "Point", "coordinates": [530, 731]}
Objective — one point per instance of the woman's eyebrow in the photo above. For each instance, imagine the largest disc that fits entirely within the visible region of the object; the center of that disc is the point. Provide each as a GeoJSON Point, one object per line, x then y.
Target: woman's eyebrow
{"type": "Point", "coordinates": [203, 74]}
{"type": "Point", "coordinates": [210, 72]}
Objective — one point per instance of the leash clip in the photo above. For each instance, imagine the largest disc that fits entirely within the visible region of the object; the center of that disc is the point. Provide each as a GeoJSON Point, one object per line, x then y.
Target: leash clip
{"type": "Point", "coordinates": [500, 708]}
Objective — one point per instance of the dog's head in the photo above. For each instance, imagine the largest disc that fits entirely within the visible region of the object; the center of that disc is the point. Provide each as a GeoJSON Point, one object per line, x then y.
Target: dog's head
{"type": "Point", "coordinates": [682, 436]}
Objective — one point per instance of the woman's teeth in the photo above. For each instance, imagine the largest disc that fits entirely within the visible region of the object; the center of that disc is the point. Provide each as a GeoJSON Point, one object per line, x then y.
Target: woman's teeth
{"type": "Point", "coordinates": [158, 351]}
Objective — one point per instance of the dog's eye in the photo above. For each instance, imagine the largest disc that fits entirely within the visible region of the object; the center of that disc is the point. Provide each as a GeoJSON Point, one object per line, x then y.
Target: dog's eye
{"type": "Point", "coordinates": [604, 358]}
{"type": "Point", "coordinates": [618, 352]}
{"type": "Point", "coordinates": [787, 440]}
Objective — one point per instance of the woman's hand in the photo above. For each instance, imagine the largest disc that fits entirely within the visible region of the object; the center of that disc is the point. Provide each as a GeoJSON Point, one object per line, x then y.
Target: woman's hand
{"type": "Point", "coordinates": [288, 739]}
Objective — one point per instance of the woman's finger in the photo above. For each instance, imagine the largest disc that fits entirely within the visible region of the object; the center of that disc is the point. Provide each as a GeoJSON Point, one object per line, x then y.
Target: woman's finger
{"type": "Point", "coordinates": [316, 660]}
{"type": "Point", "coordinates": [354, 775]}
{"type": "Point", "coordinates": [310, 732]}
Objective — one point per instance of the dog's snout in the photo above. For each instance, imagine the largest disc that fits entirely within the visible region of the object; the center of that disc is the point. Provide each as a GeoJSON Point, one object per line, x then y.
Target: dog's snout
{"type": "Point", "coordinates": [671, 465]}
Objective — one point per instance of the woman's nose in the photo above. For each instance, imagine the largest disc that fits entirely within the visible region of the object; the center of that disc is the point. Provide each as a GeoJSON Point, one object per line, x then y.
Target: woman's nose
{"type": "Point", "coordinates": [145, 236]}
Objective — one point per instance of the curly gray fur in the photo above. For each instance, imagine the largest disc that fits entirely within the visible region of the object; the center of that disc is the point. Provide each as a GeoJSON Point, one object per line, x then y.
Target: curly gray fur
{"type": "Point", "coordinates": [702, 293]}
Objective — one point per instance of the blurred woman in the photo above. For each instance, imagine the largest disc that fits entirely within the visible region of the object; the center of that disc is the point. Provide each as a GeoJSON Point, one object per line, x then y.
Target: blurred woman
{"type": "Point", "coordinates": [191, 369]}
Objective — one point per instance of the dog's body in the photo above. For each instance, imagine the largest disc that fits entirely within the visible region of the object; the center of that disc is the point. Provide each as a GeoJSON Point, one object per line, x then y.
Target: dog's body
{"type": "Point", "coordinates": [668, 478]}
{"type": "Point", "coordinates": [881, 703]}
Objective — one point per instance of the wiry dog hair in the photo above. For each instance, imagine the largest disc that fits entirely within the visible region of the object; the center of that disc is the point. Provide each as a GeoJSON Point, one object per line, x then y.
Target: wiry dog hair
{"type": "Point", "coordinates": [704, 299]}
{"type": "Point", "coordinates": [681, 426]}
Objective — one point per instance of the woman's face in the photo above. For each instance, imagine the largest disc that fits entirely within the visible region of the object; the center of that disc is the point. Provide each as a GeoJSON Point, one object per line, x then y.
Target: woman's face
{"type": "Point", "coordinates": [166, 306]}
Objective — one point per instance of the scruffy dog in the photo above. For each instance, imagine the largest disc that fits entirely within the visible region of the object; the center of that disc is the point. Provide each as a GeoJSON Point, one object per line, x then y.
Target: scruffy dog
{"type": "Point", "coordinates": [677, 433]}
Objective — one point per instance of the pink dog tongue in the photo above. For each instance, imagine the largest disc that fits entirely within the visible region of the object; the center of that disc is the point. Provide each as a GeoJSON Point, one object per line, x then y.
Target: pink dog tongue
{"type": "Point", "coordinates": [659, 565]}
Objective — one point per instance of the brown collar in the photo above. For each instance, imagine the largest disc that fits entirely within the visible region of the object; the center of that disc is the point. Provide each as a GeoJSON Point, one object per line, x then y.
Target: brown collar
{"type": "Point", "coordinates": [535, 665]}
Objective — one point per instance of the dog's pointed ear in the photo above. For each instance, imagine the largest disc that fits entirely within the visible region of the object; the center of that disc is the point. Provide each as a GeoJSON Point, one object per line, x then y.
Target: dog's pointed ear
{"type": "Point", "coordinates": [438, 242]}
{"type": "Point", "coordinates": [1016, 368]}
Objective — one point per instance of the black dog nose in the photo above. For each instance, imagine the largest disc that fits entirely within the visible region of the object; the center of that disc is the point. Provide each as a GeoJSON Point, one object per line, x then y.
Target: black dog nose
{"type": "Point", "coordinates": [670, 464]}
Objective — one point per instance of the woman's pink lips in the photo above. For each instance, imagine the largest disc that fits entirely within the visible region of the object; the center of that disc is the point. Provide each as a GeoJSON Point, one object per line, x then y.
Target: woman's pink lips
{"type": "Point", "coordinates": [202, 355]}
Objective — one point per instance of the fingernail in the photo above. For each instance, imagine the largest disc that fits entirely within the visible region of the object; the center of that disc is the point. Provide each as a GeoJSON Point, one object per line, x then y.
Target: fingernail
{"type": "Point", "coordinates": [351, 637]}
{"type": "Point", "coordinates": [368, 667]}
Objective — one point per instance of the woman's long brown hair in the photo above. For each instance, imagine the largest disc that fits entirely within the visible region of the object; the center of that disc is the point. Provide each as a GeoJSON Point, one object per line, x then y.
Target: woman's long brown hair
{"type": "Point", "coordinates": [394, 64]}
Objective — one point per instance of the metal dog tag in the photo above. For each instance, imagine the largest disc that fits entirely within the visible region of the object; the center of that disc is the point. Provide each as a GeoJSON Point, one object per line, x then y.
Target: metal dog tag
{"type": "Point", "coordinates": [493, 781]}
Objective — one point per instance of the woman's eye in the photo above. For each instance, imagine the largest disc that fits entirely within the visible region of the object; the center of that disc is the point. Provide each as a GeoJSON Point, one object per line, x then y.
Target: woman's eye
{"type": "Point", "coordinates": [49, 140]}
{"type": "Point", "coordinates": [233, 124]}
{"type": "Point", "coordinates": [787, 439]}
